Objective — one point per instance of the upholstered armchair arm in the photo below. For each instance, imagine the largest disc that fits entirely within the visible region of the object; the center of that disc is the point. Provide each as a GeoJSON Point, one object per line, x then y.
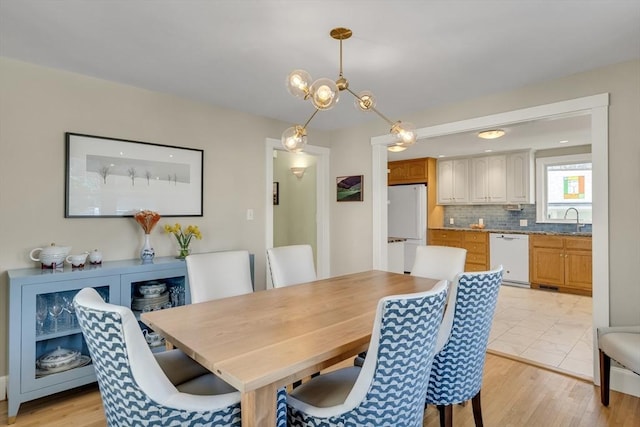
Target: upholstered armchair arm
{"type": "Point", "coordinates": [628, 329]}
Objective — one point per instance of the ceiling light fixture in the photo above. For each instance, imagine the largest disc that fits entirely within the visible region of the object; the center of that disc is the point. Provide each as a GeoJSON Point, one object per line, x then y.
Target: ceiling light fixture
{"type": "Point", "coordinates": [491, 134]}
{"type": "Point", "coordinates": [324, 94]}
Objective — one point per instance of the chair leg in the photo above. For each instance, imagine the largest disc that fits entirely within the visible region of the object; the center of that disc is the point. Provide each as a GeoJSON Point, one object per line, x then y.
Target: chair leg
{"type": "Point", "coordinates": [477, 410]}
{"type": "Point", "coordinates": [605, 378]}
{"type": "Point", "coordinates": [446, 415]}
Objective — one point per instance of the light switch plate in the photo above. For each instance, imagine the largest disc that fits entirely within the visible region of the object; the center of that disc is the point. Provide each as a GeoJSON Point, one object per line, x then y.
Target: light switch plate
{"type": "Point", "coordinates": [523, 223]}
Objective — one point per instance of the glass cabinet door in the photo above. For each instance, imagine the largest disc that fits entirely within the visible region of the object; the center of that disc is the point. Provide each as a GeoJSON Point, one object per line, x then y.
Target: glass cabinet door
{"type": "Point", "coordinates": [151, 291]}
{"type": "Point", "coordinates": [58, 352]}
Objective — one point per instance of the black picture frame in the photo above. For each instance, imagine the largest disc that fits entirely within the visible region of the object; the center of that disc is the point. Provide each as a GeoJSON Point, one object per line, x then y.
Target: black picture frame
{"type": "Point", "coordinates": [111, 177]}
{"type": "Point", "coordinates": [276, 193]}
{"type": "Point", "coordinates": [349, 188]}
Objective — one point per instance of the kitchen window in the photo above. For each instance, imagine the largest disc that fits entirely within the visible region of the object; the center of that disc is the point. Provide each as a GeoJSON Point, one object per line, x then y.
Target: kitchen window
{"type": "Point", "coordinates": [564, 182]}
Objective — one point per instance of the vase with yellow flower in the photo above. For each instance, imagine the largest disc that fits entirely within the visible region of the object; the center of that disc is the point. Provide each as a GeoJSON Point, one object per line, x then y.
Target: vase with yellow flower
{"type": "Point", "coordinates": [183, 237]}
{"type": "Point", "coordinates": [147, 220]}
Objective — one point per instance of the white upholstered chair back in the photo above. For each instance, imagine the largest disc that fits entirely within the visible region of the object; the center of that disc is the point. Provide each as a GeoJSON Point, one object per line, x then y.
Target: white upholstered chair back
{"type": "Point", "coordinates": [441, 263]}
{"type": "Point", "coordinates": [290, 265]}
{"type": "Point", "coordinates": [217, 275]}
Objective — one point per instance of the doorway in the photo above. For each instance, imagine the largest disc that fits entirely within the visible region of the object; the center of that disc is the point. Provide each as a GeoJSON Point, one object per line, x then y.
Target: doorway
{"type": "Point", "coordinates": [597, 106]}
{"type": "Point", "coordinates": [317, 159]}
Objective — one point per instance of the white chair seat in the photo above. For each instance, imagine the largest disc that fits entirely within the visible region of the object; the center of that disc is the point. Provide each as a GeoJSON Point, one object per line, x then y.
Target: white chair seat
{"type": "Point", "coordinates": [622, 344]}
{"type": "Point", "coordinates": [329, 389]}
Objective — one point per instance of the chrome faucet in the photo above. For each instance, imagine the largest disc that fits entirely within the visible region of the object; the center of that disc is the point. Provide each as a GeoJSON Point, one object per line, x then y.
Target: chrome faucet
{"type": "Point", "coordinates": [578, 225]}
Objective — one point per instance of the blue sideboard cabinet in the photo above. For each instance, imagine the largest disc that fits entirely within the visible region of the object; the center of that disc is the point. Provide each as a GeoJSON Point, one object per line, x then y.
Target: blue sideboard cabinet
{"type": "Point", "coordinates": [41, 318]}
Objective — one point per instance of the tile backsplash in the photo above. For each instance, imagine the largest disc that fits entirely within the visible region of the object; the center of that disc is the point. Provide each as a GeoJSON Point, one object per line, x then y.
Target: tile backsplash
{"type": "Point", "coordinates": [496, 217]}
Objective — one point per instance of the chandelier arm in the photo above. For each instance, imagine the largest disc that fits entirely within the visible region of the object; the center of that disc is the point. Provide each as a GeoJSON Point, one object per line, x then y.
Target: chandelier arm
{"type": "Point", "coordinates": [385, 118]}
{"type": "Point", "coordinates": [310, 118]}
{"type": "Point", "coordinates": [340, 58]}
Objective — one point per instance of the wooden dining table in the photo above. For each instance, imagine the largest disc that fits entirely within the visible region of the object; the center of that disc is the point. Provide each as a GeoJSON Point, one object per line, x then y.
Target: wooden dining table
{"type": "Point", "coordinates": [265, 340]}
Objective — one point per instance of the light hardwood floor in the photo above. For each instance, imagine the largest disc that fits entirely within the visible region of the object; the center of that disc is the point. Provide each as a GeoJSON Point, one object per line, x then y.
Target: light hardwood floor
{"type": "Point", "coordinates": [513, 394]}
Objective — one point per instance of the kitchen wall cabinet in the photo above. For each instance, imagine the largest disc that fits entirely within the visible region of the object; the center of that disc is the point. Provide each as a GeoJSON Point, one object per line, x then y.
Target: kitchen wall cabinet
{"type": "Point", "coordinates": [475, 242]}
{"type": "Point", "coordinates": [561, 263]}
{"type": "Point", "coordinates": [42, 319]}
{"type": "Point", "coordinates": [488, 181]}
{"type": "Point", "coordinates": [414, 171]}
{"type": "Point", "coordinates": [453, 181]}
{"type": "Point", "coordinates": [520, 178]}
{"type": "Point", "coordinates": [497, 179]}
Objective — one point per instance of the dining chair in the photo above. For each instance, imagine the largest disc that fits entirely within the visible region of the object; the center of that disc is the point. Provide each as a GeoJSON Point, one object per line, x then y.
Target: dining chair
{"type": "Point", "coordinates": [441, 263]}
{"type": "Point", "coordinates": [215, 275]}
{"type": "Point", "coordinates": [291, 265]}
{"type": "Point", "coordinates": [622, 344]}
{"type": "Point", "coordinates": [140, 388]}
{"type": "Point", "coordinates": [456, 374]}
{"type": "Point", "coordinates": [389, 389]}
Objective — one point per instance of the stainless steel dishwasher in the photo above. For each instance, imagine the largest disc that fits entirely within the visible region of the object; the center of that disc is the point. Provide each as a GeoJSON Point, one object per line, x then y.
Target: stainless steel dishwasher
{"type": "Point", "coordinates": [512, 251]}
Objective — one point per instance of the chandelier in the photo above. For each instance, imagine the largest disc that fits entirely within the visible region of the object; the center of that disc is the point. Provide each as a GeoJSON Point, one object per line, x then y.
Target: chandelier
{"type": "Point", "coordinates": [324, 94]}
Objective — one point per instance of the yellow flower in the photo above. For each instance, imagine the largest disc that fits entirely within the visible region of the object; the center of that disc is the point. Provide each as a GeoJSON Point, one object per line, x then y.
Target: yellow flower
{"type": "Point", "coordinates": [183, 236]}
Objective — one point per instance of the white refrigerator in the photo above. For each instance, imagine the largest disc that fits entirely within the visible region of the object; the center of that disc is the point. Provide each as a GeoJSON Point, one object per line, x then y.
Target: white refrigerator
{"type": "Point", "coordinates": [407, 218]}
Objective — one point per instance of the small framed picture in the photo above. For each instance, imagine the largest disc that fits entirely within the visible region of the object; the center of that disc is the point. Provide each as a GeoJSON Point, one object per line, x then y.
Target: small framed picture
{"type": "Point", "coordinates": [276, 193]}
{"type": "Point", "coordinates": [349, 188]}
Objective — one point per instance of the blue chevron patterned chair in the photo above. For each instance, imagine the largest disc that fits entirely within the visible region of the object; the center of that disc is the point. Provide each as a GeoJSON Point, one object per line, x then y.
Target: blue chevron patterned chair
{"type": "Point", "coordinates": [441, 263]}
{"type": "Point", "coordinates": [456, 374]}
{"type": "Point", "coordinates": [140, 389]}
{"type": "Point", "coordinates": [390, 387]}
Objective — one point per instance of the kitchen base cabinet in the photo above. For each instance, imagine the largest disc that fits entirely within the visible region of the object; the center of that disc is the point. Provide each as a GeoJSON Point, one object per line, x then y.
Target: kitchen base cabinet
{"type": "Point", "coordinates": [475, 242]}
{"type": "Point", "coordinates": [42, 320]}
{"type": "Point", "coordinates": [561, 263]}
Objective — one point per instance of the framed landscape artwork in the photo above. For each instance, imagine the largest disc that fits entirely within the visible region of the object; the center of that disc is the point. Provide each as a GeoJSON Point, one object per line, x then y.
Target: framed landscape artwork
{"type": "Point", "coordinates": [349, 188]}
{"type": "Point", "coordinates": [109, 177]}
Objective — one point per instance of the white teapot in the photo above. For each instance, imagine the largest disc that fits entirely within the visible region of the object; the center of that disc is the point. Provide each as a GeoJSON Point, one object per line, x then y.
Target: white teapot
{"type": "Point", "coordinates": [51, 256]}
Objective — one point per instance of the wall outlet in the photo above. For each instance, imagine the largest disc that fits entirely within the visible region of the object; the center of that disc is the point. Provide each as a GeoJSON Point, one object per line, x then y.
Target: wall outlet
{"type": "Point", "coordinates": [523, 223]}
{"type": "Point", "coordinates": [451, 221]}
{"type": "Point", "coordinates": [481, 221]}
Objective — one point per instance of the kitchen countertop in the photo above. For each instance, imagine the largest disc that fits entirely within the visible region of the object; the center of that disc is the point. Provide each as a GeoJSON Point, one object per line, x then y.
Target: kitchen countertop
{"type": "Point", "coordinates": [396, 239]}
{"type": "Point", "coordinates": [490, 230]}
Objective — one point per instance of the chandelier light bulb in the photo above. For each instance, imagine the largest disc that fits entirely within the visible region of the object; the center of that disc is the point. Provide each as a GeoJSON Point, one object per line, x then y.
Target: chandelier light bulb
{"type": "Point", "coordinates": [294, 139]}
{"type": "Point", "coordinates": [324, 93]}
{"type": "Point", "coordinates": [298, 82]}
{"type": "Point", "coordinates": [404, 132]}
{"type": "Point", "coordinates": [365, 101]}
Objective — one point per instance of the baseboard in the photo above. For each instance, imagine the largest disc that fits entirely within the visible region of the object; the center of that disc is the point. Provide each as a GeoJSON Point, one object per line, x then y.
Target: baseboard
{"type": "Point", "coordinates": [3, 388]}
{"type": "Point", "coordinates": [625, 381]}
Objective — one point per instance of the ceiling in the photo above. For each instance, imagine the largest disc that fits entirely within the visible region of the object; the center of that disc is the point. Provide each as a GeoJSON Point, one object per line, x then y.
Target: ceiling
{"type": "Point", "coordinates": [413, 55]}
{"type": "Point", "coordinates": [556, 132]}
